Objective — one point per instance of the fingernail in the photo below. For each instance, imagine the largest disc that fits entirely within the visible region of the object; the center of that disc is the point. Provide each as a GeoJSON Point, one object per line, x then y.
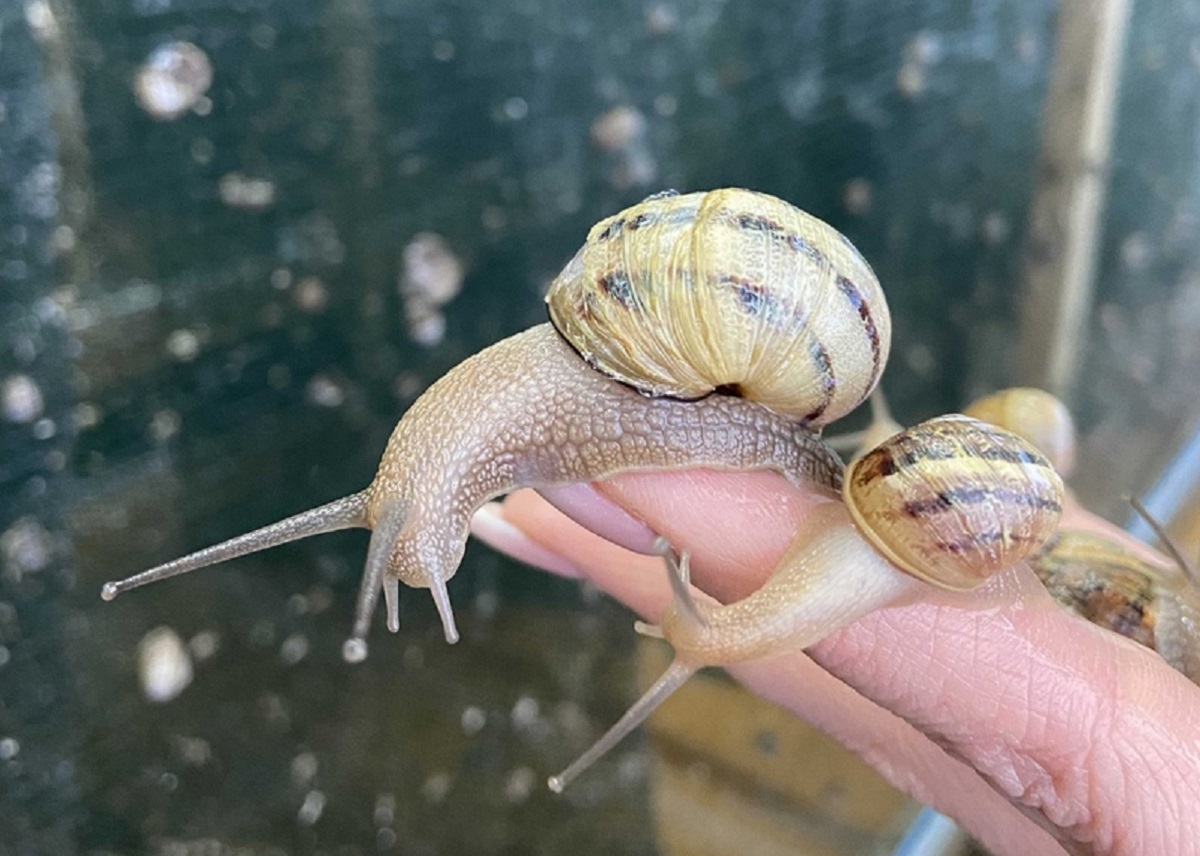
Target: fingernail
{"type": "Point", "coordinates": [490, 527]}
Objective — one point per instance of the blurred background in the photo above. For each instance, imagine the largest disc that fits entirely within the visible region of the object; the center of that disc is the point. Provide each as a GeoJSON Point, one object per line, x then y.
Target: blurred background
{"type": "Point", "coordinates": [239, 237]}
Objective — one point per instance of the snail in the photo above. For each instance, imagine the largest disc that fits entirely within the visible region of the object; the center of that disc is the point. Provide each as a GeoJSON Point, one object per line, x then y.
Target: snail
{"type": "Point", "coordinates": [948, 503]}
{"type": "Point", "coordinates": [718, 329]}
{"type": "Point", "coordinates": [1106, 583]}
{"type": "Point", "coordinates": [1090, 574]}
{"type": "Point", "coordinates": [1037, 415]}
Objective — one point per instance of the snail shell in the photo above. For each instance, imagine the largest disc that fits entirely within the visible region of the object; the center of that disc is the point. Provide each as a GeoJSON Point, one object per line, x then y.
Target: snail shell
{"type": "Point", "coordinates": [1100, 580]}
{"type": "Point", "coordinates": [1036, 415]}
{"type": "Point", "coordinates": [732, 291]}
{"type": "Point", "coordinates": [1106, 583]}
{"type": "Point", "coordinates": [953, 500]}
{"type": "Point", "coordinates": [949, 502]}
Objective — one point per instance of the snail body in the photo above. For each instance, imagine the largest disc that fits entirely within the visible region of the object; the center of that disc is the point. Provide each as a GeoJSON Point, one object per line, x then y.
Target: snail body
{"type": "Point", "coordinates": [524, 412]}
{"type": "Point", "coordinates": [790, 298]}
{"type": "Point", "coordinates": [948, 503]}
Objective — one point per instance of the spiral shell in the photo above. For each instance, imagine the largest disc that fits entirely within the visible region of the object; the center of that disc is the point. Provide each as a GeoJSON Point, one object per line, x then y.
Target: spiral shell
{"type": "Point", "coordinates": [954, 500]}
{"type": "Point", "coordinates": [1037, 416]}
{"type": "Point", "coordinates": [1102, 581]}
{"type": "Point", "coordinates": [730, 291]}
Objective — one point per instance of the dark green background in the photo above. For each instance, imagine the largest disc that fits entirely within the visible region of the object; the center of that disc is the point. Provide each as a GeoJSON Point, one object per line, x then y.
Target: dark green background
{"type": "Point", "coordinates": [113, 236]}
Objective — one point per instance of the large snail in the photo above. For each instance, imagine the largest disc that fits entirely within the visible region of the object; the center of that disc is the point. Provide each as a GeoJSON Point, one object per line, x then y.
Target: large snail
{"type": "Point", "coordinates": [720, 330]}
{"type": "Point", "coordinates": [728, 292]}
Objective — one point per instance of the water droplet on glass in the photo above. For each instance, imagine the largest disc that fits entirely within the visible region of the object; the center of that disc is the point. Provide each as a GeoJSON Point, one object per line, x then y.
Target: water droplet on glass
{"type": "Point", "coordinates": [172, 80]}
{"type": "Point", "coordinates": [164, 665]}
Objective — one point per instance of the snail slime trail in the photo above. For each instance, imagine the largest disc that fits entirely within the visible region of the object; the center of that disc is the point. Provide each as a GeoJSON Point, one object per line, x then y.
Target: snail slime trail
{"type": "Point", "coordinates": [666, 302]}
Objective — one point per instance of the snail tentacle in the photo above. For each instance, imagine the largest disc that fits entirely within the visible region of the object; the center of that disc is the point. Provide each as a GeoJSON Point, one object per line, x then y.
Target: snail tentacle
{"type": "Point", "coordinates": [679, 575]}
{"type": "Point", "coordinates": [384, 535]}
{"type": "Point", "coordinates": [348, 512]}
{"type": "Point", "coordinates": [1164, 537]}
{"type": "Point", "coordinates": [676, 675]}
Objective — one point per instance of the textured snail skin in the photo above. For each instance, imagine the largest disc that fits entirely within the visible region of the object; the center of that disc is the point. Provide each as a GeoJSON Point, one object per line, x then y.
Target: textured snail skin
{"type": "Point", "coordinates": [526, 412]}
{"type": "Point", "coordinates": [995, 500]}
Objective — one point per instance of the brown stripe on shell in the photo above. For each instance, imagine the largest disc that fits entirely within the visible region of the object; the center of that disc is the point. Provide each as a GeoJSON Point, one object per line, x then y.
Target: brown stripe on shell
{"type": "Point", "coordinates": [616, 285]}
{"type": "Point", "coordinates": [643, 218]}
{"type": "Point", "coordinates": [758, 301]}
{"type": "Point", "coordinates": [852, 293]}
{"type": "Point", "coordinates": [612, 230]}
{"type": "Point", "coordinates": [824, 364]}
{"type": "Point", "coordinates": [910, 453]}
{"type": "Point", "coordinates": [759, 223]}
{"type": "Point", "coordinates": [953, 501]}
{"type": "Point", "coordinates": [949, 498]}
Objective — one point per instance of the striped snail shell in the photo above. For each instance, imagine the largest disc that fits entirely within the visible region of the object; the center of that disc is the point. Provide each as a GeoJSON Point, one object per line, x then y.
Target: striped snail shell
{"type": "Point", "coordinates": [731, 291]}
{"type": "Point", "coordinates": [948, 502]}
{"type": "Point", "coordinates": [1105, 582]}
{"type": "Point", "coordinates": [1036, 415]}
{"type": "Point", "coordinates": [1102, 581]}
{"type": "Point", "coordinates": [953, 500]}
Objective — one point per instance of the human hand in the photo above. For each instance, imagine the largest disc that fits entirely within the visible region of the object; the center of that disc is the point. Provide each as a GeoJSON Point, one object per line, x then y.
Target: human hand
{"type": "Point", "coordinates": [1035, 730]}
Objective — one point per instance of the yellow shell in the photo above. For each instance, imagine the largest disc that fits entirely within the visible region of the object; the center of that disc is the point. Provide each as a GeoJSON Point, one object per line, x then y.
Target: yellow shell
{"type": "Point", "coordinates": [730, 291]}
{"type": "Point", "coordinates": [1037, 416]}
{"type": "Point", "coordinates": [954, 500]}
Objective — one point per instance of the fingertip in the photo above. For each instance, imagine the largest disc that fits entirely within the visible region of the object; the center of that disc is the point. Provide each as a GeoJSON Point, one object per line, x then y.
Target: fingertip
{"type": "Point", "coordinates": [591, 509]}
{"type": "Point", "coordinates": [491, 526]}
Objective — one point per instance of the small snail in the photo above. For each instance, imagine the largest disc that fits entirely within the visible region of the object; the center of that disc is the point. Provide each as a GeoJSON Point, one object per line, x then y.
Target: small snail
{"type": "Point", "coordinates": [1038, 416]}
{"type": "Point", "coordinates": [764, 315]}
{"type": "Point", "coordinates": [1104, 582]}
{"type": "Point", "coordinates": [1092, 575]}
{"type": "Point", "coordinates": [949, 502]}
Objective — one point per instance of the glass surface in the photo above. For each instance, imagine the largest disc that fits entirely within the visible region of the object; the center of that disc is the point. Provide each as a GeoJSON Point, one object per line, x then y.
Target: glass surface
{"type": "Point", "coordinates": [239, 237]}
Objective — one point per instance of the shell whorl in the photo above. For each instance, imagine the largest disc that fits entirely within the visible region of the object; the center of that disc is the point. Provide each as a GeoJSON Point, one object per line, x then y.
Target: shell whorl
{"type": "Point", "coordinates": [727, 290]}
{"type": "Point", "coordinates": [1036, 415]}
{"type": "Point", "coordinates": [954, 500]}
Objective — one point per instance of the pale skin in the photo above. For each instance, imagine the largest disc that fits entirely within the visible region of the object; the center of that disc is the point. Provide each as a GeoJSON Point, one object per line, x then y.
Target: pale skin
{"type": "Point", "coordinates": [1038, 732]}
